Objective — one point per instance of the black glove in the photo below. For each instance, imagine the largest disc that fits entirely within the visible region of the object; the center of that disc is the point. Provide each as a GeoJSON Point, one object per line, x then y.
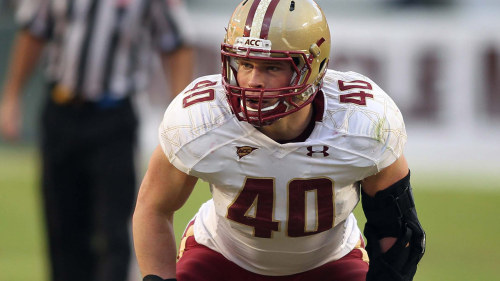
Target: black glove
{"type": "Point", "coordinates": [391, 213]}
{"type": "Point", "coordinates": [399, 263]}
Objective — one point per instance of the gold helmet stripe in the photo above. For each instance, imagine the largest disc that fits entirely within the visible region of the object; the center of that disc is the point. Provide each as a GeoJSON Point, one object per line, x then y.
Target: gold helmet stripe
{"type": "Point", "coordinates": [267, 19]}
{"type": "Point", "coordinates": [251, 15]}
{"type": "Point", "coordinates": [259, 18]}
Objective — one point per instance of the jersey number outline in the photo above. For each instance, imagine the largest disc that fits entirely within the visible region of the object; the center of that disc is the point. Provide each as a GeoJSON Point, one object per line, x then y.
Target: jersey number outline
{"type": "Point", "coordinates": [202, 95]}
{"type": "Point", "coordinates": [254, 206]}
{"type": "Point", "coordinates": [358, 98]}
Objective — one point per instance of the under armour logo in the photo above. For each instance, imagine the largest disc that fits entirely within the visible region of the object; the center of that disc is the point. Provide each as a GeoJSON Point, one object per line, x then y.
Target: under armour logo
{"type": "Point", "coordinates": [312, 151]}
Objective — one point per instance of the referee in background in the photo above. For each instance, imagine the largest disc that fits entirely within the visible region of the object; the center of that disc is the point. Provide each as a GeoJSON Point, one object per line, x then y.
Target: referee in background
{"type": "Point", "coordinates": [98, 56]}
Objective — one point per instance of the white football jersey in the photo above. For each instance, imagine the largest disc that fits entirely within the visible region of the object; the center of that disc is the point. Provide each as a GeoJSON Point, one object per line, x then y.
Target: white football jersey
{"type": "Point", "coordinates": [280, 209]}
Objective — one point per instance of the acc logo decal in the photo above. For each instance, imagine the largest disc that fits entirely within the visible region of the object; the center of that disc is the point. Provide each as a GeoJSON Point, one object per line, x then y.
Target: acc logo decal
{"type": "Point", "coordinates": [251, 42]}
{"type": "Point", "coordinates": [312, 151]}
{"type": "Point", "coordinates": [243, 151]}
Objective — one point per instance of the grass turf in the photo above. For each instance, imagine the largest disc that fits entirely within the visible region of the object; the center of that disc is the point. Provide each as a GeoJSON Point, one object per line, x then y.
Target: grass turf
{"type": "Point", "coordinates": [458, 214]}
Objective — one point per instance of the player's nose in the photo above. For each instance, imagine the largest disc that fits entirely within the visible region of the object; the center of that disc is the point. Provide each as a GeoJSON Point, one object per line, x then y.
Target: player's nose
{"type": "Point", "coordinates": [257, 78]}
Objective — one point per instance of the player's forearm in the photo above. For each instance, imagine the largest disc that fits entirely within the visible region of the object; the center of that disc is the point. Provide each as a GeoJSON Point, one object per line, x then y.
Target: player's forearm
{"type": "Point", "coordinates": [154, 242]}
{"type": "Point", "coordinates": [178, 68]}
{"type": "Point", "coordinates": [24, 57]}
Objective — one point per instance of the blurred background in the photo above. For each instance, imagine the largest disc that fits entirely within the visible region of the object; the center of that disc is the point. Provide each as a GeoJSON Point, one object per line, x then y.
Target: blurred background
{"type": "Point", "coordinates": [438, 59]}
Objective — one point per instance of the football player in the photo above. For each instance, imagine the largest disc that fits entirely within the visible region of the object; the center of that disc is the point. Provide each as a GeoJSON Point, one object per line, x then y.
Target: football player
{"type": "Point", "coordinates": [289, 147]}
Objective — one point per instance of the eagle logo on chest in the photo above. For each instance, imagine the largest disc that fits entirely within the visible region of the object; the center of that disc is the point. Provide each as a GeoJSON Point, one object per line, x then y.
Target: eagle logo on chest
{"type": "Point", "coordinates": [243, 151]}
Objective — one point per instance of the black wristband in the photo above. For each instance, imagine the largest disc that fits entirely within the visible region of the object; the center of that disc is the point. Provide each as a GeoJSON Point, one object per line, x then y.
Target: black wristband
{"type": "Point", "coordinates": [156, 278]}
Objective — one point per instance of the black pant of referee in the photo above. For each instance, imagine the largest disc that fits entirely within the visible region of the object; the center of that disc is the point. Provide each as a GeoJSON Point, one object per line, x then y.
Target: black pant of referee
{"type": "Point", "coordinates": [88, 188]}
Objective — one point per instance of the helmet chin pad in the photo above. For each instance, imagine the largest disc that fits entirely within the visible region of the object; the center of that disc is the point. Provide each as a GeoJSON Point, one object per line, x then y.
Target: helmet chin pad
{"type": "Point", "coordinates": [262, 116]}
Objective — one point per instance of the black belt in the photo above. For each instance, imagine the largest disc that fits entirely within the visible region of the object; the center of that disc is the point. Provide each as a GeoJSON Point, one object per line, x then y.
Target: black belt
{"type": "Point", "coordinates": [62, 96]}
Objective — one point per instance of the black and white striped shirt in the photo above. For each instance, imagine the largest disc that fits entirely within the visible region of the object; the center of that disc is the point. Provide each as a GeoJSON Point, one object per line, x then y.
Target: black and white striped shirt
{"type": "Point", "coordinates": [104, 47]}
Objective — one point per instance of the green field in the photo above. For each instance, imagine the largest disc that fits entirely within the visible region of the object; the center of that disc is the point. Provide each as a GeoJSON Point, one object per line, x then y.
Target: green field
{"type": "Point", "coordinates": [459, 213]}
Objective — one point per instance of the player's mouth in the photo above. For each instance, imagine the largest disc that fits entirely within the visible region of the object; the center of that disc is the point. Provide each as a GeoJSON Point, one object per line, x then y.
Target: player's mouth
{"type": "Point", "coordinates": [253, 105]}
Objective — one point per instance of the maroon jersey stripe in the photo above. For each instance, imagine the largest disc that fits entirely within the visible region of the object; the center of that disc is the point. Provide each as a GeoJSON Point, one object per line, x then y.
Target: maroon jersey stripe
{"type": "Point", "coordinates": [251, 15]}
{"type": "Point", "coordinates": [264, 32]}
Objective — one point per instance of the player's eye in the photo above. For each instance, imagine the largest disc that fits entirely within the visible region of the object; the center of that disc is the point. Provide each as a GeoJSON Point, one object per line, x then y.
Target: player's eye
{"type": "Point", "coordinates": [246, 65]}
{"type": "Point", "coordinates": [274, 68]}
